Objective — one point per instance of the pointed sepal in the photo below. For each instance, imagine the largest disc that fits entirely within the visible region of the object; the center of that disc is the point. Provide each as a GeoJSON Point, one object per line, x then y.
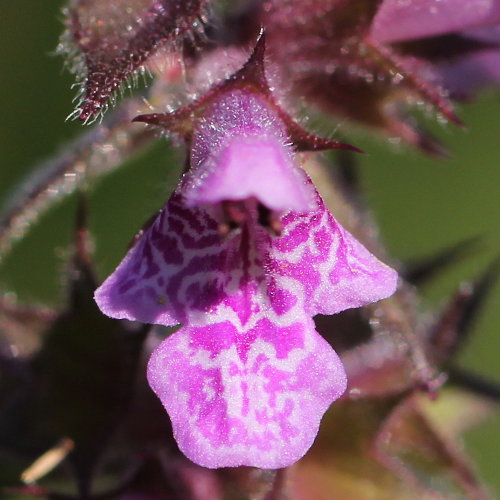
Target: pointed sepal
{"type": "Point", "coordinates": [114, 38]}
{"type": "Point", "coordinates": [251, 80]}
{"type": "Point", "coordinates": [454, 323]}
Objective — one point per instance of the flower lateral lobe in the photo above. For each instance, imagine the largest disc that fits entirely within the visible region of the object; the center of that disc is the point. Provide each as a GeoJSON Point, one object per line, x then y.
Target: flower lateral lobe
{"type": "Point", "coordinates": [247, 378]}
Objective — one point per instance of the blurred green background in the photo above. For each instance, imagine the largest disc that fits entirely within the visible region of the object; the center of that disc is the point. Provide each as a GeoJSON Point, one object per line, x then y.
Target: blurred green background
{"type": "Point", "coordinates": [421, 204]}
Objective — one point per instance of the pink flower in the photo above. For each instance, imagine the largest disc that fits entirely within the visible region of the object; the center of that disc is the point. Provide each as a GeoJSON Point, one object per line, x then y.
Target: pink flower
{"type": "Point", "coordinates": [397, 21]}
{"type": "Point", "coordinates": [370, 61]}
{"type": "Point", "coordinates": [460, 39]}
{"type": "Point", "coordinates": [247, 378]}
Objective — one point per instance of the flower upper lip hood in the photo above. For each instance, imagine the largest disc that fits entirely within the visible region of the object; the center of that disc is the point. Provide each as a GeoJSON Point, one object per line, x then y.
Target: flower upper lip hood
{"type": "Point", "coordinates": [240, 150]}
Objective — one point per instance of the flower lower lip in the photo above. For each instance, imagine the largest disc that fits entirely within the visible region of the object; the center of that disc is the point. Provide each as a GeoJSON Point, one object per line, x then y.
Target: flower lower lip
{"type": "Point", "coordinates": [247, 368]}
